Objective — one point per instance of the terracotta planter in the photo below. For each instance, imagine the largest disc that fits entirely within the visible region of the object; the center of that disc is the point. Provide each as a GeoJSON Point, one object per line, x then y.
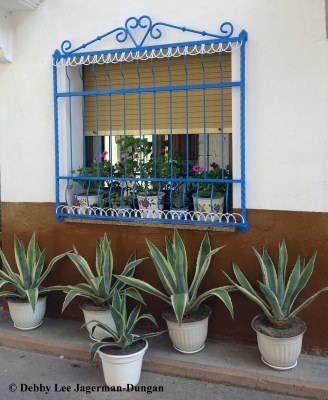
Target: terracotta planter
{"type": "Point", "coordinates": [23, 316]}
{"type": "Point", "coordinates": [279, 352]}
{"type": "Point", "coordinates": [188, 337]}
{"type": "Point", "coordinates": [121, 370]}
{"type": "Point", "coordinates": [96, 313]}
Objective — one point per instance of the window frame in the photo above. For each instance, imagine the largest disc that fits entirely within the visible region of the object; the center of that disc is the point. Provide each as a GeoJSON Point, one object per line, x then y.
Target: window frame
{"type": "Point", "coordinates": [154, 31]}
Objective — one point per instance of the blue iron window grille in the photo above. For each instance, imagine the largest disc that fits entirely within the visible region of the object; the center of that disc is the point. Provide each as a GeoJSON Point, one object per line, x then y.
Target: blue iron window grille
{"type": "Point", "coordinates": [144, 132]}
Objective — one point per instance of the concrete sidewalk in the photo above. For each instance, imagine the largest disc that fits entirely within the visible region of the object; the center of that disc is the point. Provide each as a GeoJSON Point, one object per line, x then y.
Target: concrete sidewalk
{"type": "Point", "coordinates": [219, 362]}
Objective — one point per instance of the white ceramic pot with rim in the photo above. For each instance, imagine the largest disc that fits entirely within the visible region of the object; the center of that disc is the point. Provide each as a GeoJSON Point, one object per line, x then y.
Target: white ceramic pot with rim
{"type": "Point", "coordinates": [85, 200]}
{"type": "Point", "coordinates": [123, 368]}
{"type": "Point", "coordinates": [22, 314]}
{"type": "Point", "coordinates": [208, 205]}
{"type": "Point", "coordinates": [92, 312]}
{"type": "Point", "coordinates": [149, 205]}
{"type": "Point", "coordinates": [279, 347]}
{"type": "Point", "coordinates": [189, 336]}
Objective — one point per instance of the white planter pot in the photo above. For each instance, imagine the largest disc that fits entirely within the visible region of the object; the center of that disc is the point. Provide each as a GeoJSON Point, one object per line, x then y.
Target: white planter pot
{"type": "Point", "coordinates": [102, 315]}
{"type": "Point", "coordinates": [188, 337]}
{"type": "Point", "coordinates": [122, 370]}
{"type": "Point", "coordinates": [23, 316]}
{"type": "Point", "coordinates": [207, 205]}
{"type": "Point", "coordinates": [85, 201]}
{"type": "Point", "coordinates": [149, 205]}
{"type": "Point", "coordinates": [279, 353]}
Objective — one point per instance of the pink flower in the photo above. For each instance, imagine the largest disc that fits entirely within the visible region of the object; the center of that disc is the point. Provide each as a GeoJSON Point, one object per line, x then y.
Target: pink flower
{"type": "Point", "coordinates": [198, 168]}
{"type": "Point", "coordinates": [103, 154]}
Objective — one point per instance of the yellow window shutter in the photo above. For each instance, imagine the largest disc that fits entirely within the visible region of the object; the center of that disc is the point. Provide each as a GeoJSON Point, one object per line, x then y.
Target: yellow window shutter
{"type": "Point", "coordinates": [178, 111]}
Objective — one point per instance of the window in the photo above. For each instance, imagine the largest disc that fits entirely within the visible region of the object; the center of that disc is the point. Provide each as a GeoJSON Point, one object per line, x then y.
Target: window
{"type": "Point", "coordinates": [147, 133]}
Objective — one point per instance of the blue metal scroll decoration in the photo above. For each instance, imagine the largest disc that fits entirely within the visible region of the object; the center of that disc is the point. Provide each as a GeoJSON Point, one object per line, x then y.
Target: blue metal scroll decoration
{"type": "Point", "coordinates": [151, 30]}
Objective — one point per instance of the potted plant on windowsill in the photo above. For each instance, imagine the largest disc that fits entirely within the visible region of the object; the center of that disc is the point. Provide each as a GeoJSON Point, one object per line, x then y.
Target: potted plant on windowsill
{"type": "Point", "coordinates": [136, 161]}
{"type": "Point", "coordinates": [122, 351]}
{"type": "Point", "coordinates": [119, 200]}
{"type": "Point", "coordinates": [89, 191]}
{"type": "Point", "coordinates": [27, 300]}
{"type": "Point", "coordinates": [150, 195]}
{"type": "Point", "coordinates": [279, 331]}
{"type": "Point", "coordinates": [187, 317]}
{"type": "Point", "coordinates": [150, 202]}
{"type": "Point", "coordinates": [209, 197]}
{"type": "Point", "coordinates": [179, 199]}
{"type": "Point", "coordinates": [98, 288]}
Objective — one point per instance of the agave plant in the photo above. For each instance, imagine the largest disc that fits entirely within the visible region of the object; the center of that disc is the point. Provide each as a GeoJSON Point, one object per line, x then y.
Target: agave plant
{"type": "Point", "coordinates": [26, 284]}
{"type": "Point", "coordinates": [278, 298]}
{"type": "Point", "coordinates": [98, 287]}
{"type": "Point", "coordinates": [123, 337]}
{"type": "Point", "coordinates": [173, 274]}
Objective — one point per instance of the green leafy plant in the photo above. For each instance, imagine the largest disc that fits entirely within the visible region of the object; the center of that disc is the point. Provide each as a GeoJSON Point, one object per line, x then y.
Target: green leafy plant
{"type": "Point", "coordinates": [120, 200]}
{"type": "Point", "coordinates": [279, 297]}
{"type": "Point", "coordinates": [208, 189]}
{"type": "Point", "coordinates": [26, 284]}
{"type": "Point", "coordinates": [98, 287]}
{"type": "Point", "coordinates": [135, 153]}
{"type": "Point", "coordinates": [173, 274]}
{"type": "Point", "coordinates": [99, 167]}
{"type": "Point", "coordinates": [125, 324]}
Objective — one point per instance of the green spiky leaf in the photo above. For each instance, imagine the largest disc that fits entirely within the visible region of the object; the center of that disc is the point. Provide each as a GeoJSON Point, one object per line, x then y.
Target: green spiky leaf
{"type": "Point", "coordinates": [179, 304]}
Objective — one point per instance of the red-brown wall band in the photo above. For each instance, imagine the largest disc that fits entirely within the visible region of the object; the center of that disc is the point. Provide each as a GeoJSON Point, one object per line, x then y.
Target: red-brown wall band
{"type": "Point", "coordinates": [304, 233]}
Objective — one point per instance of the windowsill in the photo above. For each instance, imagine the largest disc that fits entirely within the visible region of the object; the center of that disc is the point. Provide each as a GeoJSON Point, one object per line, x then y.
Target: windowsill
{"type": "Point", "coordinates": [150, 224]}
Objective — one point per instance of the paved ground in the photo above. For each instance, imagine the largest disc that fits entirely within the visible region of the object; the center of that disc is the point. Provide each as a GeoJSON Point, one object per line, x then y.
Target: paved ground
{"type": "Point", "coordinates": [26, 375]}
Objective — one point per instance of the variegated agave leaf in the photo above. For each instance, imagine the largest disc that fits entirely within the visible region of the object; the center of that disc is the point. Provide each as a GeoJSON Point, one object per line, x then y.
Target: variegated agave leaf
{"type": "Point", "coordinates": [99, 286]}
{"type": "Point", "coordinates": [172, 271]}
{"type": "Point", "coordinates": [26, 284]}
{"type": "Point", "coordinates": [279, 296]}
{"type": "Point", "coordinates": [124, 323]}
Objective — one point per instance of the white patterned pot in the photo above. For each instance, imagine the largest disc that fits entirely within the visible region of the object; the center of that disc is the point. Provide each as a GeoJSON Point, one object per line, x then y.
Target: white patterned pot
{"type": "Point", "coordinates": [149, 205]}
{"type": "Point", "coordinates": [122, 370]}
{"type": "Point", "coordinates": [279, 352]}
{"type": "Point", "coordinates": [208, 205]}
{"type": "Point", "coordinates": [206, 209]}
{"type": "Point", "coordinates": [91, 200]}
{"type": "Point", "coordinates": [24, 317]}
{"type": "Point", "coordinates": [97, 313]}
{"type": "Point", "coordinates": [188, 337]}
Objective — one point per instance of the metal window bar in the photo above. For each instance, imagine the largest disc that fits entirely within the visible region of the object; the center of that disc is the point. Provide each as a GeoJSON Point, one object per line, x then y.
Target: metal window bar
{"type": "Point", "coordinates": [170, 182]}
{"type": "Point", "coordinates": [110, 134]}
{"type": "Point", "coordinates": [226, 198]}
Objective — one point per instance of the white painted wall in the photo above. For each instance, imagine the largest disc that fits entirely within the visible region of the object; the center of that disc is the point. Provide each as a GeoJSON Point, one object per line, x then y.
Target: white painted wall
{"type": "Point", "coordinates": [287, 91]}
{"type": "Point", "coordinates": [5, 37]}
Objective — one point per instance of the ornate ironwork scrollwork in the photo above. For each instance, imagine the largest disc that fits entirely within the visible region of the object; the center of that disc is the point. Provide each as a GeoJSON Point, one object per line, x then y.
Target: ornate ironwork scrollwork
{"type": "Point", "coordinates": [133, 27]}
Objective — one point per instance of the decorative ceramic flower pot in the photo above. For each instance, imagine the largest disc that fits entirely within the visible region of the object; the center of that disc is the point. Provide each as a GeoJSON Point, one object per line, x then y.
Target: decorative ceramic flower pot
{"type": "Point", "coordinates": [208, 205]}
{"type": "Point", "coordinates": [122, 370]}
{"type": "Point", "coordinates": [279, 352]}
{"type": "Point", "coordinates": [23, 316]}
{"type": "Point", "coordinates": [188, 337]}
{"type": "Point", "coordinates": [84, 201]}
{"type": "Point", "coordinates": [149, 205]}
{"type": "Point", "coordinates": [97, 313]}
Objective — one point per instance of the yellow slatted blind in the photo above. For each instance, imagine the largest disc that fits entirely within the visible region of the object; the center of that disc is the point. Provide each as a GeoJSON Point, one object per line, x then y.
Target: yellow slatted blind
{"type": "Point", "coordinates": [118, 114]}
